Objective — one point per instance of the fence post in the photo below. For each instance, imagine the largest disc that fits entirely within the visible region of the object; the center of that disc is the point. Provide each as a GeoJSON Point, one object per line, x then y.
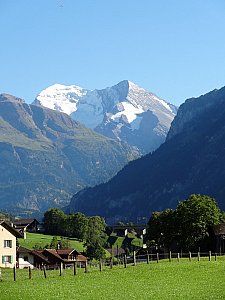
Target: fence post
{"type": "Point", "coordinates": [29, 272]}
{"type": "Point", "coordinates": [75, 268]}
{"type": "Point", "coordinates": [178, 257]}
{"type": "Point", "coordinates": [157, 257]}
{"type": "Point", "coordinates": [44, 269]}
{"type": "Point", "coordinates": [86, 268]}
{"type": "Point", "coordinates": [134, 258]}
{"type": "Point", "coordinates": [147, 258]}
{"type": "Point", "coordinates": [125, 261]}
{"type": "Point", "coordinates": [60, 269]}
{"type": "Point", "coordinates": [111, 262]}
{"type": "Point", "coordinates": [100, 265]}
{"type": "Point", "coordinates": [210, 254]}
{"type": "Point", "coordinates": [198, 256]}
{"type": "Point", "coordinates": [170, 256]}
{"type": "Point", "coordinates": [0, 274]}
{"type": "Point", "coordinates": [189, 255]}
{"type": "Point", "coordinates": [14, 273]}
{"type": "Point", "coordinates": [215, 256]}
{"type": "Point", "coordinates": [112, 256]}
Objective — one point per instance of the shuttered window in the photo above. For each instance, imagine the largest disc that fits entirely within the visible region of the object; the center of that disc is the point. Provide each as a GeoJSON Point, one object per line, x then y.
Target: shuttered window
{"type": "Point", "coordinates": [7, 259]}
{"type": "Point", "coordinates": [7, 243]}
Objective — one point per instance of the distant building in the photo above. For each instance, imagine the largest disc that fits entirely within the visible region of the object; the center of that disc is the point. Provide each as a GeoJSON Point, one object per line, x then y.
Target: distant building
{"type": "Point", "coordinates": [219, 231]}
{"type": "Point", "coordinates": [27, 225]}
{"type": "Point", "coordinates": [123, 230]}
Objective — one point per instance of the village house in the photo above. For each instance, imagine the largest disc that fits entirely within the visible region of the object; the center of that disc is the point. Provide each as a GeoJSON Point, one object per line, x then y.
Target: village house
{"type": "Point", "coordinates": [51, 258]}
{"type": "Point", "coordinates": [30, 258]}
{"type": "Point", "coordinates": [8, 236]}
{"type": "Point", "coordinates": [26, 225]}
{"type": "Point", "coordinates": [64, 256]}
{"type": "Point", "coordinates": [69, 255]}
{"type": "Point", "coordinates": [24, 258]}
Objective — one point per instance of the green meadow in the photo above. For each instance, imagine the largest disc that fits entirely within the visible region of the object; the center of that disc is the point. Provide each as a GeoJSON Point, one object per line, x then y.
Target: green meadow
{"type": "Point", "coordinates": [163, 280]}
{"type": "Point", "coordinates": [41, 240]}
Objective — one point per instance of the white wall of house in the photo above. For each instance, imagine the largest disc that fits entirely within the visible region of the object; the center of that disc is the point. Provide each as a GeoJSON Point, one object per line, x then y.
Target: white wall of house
{"type": "Point", "coordinates": [7, 248]}
{"type": "Point", "coordinates": [25, 260]}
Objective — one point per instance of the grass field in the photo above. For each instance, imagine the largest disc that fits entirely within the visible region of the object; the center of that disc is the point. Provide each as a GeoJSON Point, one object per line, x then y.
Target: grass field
{"type": "Point", "coordinates": [165, 280]}
{"type": "Point", "coordinates": [42, 240]}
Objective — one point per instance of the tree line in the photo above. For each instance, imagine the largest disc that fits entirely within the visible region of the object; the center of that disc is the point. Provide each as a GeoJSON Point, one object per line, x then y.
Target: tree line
{"type": "Point", "coordinates": [89, 230]}
{"type": "Point", "coordinates": [187, 227]}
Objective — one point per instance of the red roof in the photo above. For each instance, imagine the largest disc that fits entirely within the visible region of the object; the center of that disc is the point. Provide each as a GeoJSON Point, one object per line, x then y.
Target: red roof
{"type": "Point", "coordinates": [81, 257]}
{"type": "Point", "coordinates": [67, 251]}
{"type": "Point", "coordinates": [21, 249]}
{"type": "Point", "coordinates": [53, 252]}
{"type": "Point", "coordinates": [39, 254]}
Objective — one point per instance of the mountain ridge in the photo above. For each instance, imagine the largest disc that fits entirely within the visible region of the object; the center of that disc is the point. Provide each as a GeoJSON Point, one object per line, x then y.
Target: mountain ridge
{"type": "Point", "coordinates": [46, 156]}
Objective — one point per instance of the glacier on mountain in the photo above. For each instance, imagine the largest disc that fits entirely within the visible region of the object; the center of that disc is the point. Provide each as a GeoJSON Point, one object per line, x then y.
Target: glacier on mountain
{"type": "Point", "coordinates": [61, 97]}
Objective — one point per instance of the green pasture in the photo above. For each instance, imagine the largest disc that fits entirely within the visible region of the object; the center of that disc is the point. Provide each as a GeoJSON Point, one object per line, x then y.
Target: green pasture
{"type": "Point", "coordinates": [164, 280]}
{"type": "Point", "coordinates": [42, 240]}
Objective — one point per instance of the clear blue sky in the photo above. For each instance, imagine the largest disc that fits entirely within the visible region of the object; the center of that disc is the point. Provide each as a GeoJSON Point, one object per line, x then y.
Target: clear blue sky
{"type": "Point", "coordinates": [174, 48]}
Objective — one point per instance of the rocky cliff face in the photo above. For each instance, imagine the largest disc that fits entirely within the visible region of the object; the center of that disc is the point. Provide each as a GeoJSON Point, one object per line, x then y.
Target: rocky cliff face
{"type": "Point", "coordinates": [190, 161]}
{"type": "Point", "coordinates": [194, 107]}
{"type": "Point", "coordinates": [124, 112]}
{"type": "Point", "coordinates": [46, 156]}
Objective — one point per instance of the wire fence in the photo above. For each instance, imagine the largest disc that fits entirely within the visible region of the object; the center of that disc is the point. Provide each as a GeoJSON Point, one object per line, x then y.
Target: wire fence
{"type": "Point", "coordinates": [76, 268]}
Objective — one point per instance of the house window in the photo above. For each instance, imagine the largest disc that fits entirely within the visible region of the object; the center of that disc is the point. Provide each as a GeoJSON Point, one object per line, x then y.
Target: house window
{"type": "Point", "coordinates": [7, 259]}
{"type": "Point", "coordinates": [7, 243]}
{"type": "Point", "coordinates": [25, 258]}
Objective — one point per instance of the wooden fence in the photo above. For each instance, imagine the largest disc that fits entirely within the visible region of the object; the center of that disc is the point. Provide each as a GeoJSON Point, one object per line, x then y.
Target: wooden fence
{"type": "Point", "coordinates": [49, 271]}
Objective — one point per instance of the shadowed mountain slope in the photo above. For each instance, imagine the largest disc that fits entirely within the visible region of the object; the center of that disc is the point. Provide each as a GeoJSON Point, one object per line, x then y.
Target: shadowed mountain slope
{"type": "Point", "coordinates": [46, 156]}
{"type": "Point", "coordinates": [192, 160]}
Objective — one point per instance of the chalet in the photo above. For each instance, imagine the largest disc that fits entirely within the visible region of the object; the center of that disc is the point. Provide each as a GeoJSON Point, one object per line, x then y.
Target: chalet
{"type": "Point", "coordinates": [48, 257]}
{"type": "Point", "coordinates": [64, 256]}
{"type": "Point", "coordinates": [39, 258]}
{"type": "Point", "coordinates": [26, 225]}
{"type": "Point", "coordinates": [8, 236]}
{"type": "Point", "coordinates": [52, 256]}
{"type": "Point", "coordinates": [30, 258]}
{"type": "Point", "coordinates": [71, 254]}
{"type": "Point", "coordinates": [68, 254]}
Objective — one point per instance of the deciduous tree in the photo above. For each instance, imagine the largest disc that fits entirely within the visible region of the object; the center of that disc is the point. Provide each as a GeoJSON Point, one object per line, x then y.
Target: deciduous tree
{"type": "Point", "coordinates": [194, 217]}
{"type": "Point", "coordinates": [96, 237]}
{"type": "Point", "coordinates": [187, 225]}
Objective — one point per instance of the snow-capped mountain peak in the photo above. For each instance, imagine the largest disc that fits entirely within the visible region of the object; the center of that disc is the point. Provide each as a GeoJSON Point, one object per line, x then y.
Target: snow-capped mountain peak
{"type": "Point", "coordinates": [124, 111]}
{"type": "Point", "coordinates": [61, 97]}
